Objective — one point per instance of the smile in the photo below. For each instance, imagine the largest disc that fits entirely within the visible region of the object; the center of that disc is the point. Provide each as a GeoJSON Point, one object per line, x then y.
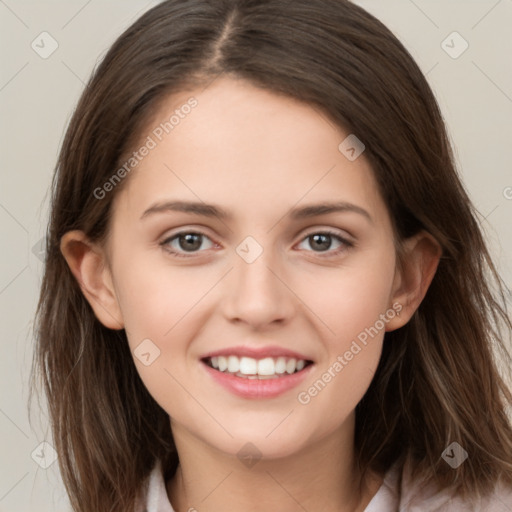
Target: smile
{"type": "Point", "coordinates": [253, 378]}
{"type": "Point", "coordinates": [251, 368]}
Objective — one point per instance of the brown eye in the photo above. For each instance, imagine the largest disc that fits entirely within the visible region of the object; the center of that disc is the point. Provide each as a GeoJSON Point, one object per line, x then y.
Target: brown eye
{"type": "Point", "coordinates": [323, 241]}
{"type": "Point", "coordinates": [184, 242]}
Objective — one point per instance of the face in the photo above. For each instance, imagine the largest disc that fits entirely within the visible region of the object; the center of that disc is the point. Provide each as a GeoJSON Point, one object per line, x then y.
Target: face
{"type": "Point", "coordinates": [265, 282]}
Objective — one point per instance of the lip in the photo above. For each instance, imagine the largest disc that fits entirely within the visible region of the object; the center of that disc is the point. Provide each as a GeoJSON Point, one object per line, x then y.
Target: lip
{"type": "Point", "coordinates": [257, 352]}
{"type": "Point", "coordinates": [257, 388]}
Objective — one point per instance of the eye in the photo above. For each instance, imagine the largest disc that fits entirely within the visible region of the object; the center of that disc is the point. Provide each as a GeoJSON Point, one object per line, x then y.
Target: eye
{"type": "Point", "coordinates": [183, 242]}
{"type": "Point", "coordinates": [322, 240]}
{"type": "Point", "coordinates": [190, 242]}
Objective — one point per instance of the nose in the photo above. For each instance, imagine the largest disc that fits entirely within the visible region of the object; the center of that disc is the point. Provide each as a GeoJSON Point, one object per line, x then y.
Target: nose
{"type": "Point", "coordinates": [257, 293]}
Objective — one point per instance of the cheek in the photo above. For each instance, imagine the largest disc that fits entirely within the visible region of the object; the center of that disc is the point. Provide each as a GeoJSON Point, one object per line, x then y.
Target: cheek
{"type": "Point", "coordinates": [156, 298]}
{"type": "Point", "coordinates": [157, 303]}
{"type": "Point", "coordinates": [163, 308]}
{"type": "Point", "coordinates": [352, 302]}
{"type": "Point", "coordinates": [351, 298]}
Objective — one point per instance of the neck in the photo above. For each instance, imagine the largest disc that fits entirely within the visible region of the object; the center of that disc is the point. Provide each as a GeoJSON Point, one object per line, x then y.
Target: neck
{"type": "Point", "coordinates": [320, 477]}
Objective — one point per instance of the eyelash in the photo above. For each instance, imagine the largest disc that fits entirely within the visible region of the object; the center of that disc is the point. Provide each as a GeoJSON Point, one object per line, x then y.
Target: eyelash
{"type": "Point", "coordinates": [346, 243]}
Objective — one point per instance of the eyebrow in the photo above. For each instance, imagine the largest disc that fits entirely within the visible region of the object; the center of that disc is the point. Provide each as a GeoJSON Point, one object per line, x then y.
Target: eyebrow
{"type": "Point", "coordinates": [210, 210]}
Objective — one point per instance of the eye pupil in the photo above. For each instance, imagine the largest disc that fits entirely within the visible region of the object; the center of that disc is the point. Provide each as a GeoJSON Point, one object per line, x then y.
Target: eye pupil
{"type": "Point", "coordinates": [320, 239]}
{"type": "Point", "coordinates": [193, 241]}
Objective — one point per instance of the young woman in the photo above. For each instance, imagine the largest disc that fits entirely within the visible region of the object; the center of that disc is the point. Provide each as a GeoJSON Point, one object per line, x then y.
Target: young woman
{"type": "Point", "coordinates": [265, 285]}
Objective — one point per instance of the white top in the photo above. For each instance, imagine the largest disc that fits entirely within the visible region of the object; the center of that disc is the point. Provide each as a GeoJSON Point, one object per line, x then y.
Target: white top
{"type": "Point", "coordinates": [393, 495]}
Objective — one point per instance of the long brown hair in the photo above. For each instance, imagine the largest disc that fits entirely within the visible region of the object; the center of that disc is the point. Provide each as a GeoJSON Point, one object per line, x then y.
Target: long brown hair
{"type": "Point", "coordinates": [437, 380]}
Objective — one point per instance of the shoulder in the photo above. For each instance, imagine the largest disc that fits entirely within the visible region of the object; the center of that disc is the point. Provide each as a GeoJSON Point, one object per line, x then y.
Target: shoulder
{"type": "Point", "coordinates": [400, 492]}
{"type": "Point", "coordinates": [447, 501]}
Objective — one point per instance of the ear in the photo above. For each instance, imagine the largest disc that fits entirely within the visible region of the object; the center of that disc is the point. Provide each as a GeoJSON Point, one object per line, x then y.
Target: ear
{"type": "Point", "coordinates": [89, 265]}
{"type": "Point", "coordinates": [420, 257]}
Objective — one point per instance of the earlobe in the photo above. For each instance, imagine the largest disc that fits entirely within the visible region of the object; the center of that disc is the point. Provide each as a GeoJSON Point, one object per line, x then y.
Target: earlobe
{"type": "Point", "coordinates": [88, 264]}
{"type": "Point", "coordinates": [421, 255]}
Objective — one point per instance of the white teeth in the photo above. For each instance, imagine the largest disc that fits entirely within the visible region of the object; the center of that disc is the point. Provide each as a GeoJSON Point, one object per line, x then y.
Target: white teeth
{"type": "Point", "coordinates": [280, 365]}
{"type": "Point", "coordinates": [248, 365]}
{"type": "Point", "coordinates": [266, 366]}
{"type": "Point", "coordinates": [251, 368]}
{"type": "Point", "coordinates": [233, 364]}
{"type": "Point", "coordinates": [223, 363]}
{"type": "Point", "coordinates": [291, 365]}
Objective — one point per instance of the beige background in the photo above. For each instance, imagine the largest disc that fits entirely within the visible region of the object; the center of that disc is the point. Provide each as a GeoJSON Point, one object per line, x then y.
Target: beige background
{"type": "Point", "coordinates": [36, 99]}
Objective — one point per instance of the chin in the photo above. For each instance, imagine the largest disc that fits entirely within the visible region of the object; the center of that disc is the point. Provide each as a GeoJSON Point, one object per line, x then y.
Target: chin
{"type": "Point", "coordinates": [253, 444]}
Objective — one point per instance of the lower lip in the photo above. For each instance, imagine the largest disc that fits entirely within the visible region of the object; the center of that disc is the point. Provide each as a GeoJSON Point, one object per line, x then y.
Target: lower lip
{"type": "Point", "coordinates": [258, 388]}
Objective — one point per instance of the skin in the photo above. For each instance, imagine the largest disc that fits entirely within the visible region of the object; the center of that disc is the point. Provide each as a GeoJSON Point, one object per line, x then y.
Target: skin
{"type": "Point", "coordinates": [257, 155]}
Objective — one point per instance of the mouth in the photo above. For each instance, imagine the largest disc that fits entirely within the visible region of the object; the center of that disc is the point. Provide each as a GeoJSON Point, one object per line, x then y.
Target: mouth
{"type": "Point", "coordinates": [261, 369]}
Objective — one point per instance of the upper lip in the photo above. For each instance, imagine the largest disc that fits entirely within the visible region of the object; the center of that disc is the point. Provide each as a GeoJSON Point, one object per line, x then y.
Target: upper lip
{"type": "Point", "coordinates": [257, 352]}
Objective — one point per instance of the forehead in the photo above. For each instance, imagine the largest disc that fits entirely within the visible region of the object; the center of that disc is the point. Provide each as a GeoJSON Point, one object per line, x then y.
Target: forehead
{"type": "Point", "coordinates": [248, 149]}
